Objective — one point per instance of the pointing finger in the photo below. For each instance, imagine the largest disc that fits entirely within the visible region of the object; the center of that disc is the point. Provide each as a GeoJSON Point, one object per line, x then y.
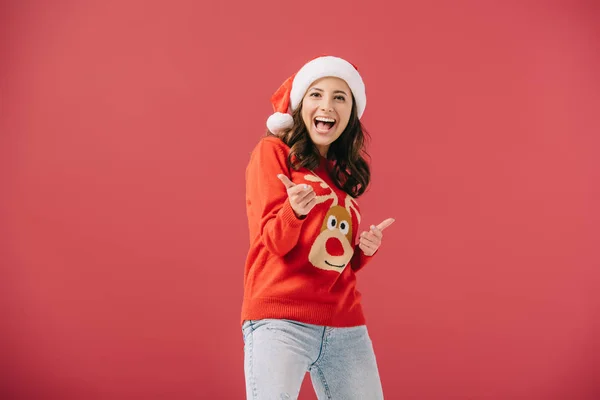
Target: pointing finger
{"type": "Point", "coordinates": [385, 224]}
{"type": "Point", "coordinates": [286, 181]}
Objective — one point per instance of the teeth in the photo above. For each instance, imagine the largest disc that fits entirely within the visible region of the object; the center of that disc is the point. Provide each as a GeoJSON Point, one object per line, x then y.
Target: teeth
{"type": "Point", "coordinates": [323, 119]}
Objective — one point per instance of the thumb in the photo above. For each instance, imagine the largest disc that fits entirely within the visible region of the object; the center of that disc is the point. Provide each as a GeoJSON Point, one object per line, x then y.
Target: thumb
{"type": "Point", "coordinates": [385, 223]}
{"type": "Point", "coordinates": [286, 181]}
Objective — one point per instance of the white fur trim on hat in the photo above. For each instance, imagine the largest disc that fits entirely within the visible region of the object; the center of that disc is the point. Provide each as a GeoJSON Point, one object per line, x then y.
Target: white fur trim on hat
{"type": "Point", "coordinates": [328, 66]}
{"type": "Point", "coordinates": [279, 122]}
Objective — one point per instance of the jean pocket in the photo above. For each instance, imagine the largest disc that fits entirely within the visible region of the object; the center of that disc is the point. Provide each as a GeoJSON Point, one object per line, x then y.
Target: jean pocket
{"type": "Point", "coordinates": [246, 329]}
{"type": "Point", "coordinates": [251, 325]}
{"type": "Point", "coordinates": [266, 323]}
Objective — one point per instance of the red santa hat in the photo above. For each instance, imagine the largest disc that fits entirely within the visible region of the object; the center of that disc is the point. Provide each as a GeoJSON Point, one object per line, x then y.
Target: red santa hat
{"type": "Point", "coordinates": [290, 94]}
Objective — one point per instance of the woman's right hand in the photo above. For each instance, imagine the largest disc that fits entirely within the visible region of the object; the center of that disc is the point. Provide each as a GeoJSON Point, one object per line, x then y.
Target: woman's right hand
{"type": "Point", "coordinates": [302, 197]}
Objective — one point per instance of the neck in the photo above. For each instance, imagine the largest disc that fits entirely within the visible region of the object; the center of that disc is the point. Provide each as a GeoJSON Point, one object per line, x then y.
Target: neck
{"type": "Point", "coordinates": [323, 150]}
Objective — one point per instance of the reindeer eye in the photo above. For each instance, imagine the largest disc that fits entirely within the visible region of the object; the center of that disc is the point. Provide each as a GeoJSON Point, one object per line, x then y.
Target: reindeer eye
{"type": "Point", "coordinates": [331, 223]}
{"type": "Point", "coordinates": [344, 227]}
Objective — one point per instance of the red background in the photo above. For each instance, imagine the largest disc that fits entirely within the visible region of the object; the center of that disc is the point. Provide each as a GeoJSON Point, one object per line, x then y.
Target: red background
{"type": "Point", "coordinates": [124, 133]}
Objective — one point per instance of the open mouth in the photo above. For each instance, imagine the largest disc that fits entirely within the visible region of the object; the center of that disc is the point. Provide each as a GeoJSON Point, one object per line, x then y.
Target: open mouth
{"type": "Point", "coordinates": [324, 125]}
{"type": "Point", "coordinates": [333, 265]}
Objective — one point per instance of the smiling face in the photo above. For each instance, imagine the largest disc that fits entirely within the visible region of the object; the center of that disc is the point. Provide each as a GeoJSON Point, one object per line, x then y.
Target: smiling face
{"type": "Point", "coordinates": [326, 109]}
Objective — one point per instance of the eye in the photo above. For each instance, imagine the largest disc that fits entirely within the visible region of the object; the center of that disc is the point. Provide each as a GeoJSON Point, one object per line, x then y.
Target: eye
{"type": "Point", "coordinates": [331, 223]}
{"type": "Point", "coordinates": [315, 94]}
{"type": "Point", "coordinates": [341, 98]}
{"type": "Point", "coordinates": [344, 227]}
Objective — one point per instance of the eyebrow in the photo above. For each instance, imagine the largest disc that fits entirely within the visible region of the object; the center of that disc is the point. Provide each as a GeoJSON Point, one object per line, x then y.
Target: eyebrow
{"type": "Point", "coordinates": [334, 92]}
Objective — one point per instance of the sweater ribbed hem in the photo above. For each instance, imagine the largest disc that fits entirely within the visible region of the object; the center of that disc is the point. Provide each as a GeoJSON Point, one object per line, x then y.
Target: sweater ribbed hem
{"type": "Point", "coordinates": [302, 311]}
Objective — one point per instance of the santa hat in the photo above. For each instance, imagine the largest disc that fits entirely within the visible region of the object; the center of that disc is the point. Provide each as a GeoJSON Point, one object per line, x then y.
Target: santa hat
{"type": "Point", "coordinates": [290, 94]}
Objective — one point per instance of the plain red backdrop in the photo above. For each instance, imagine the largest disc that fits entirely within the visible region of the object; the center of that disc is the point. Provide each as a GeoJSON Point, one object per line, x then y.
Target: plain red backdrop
{"type": "Point", "coordinates": [125, 129]}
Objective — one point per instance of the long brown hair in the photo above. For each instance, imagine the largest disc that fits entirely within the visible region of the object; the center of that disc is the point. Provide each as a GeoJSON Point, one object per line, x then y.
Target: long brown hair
{"type": "Point", "coordinates": [350, 172]}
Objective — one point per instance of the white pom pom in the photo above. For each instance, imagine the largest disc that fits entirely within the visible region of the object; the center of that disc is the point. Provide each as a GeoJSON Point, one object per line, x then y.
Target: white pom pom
{"type": "Point", "coordinates": [279, 122]}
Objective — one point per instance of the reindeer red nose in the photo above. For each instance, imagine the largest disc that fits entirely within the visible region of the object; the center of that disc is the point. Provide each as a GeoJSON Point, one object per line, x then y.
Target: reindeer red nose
{"type": "Point", "coordinates": [334, 247]}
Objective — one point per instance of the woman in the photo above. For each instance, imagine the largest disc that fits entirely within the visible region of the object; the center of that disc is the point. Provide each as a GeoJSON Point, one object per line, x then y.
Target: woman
{"type": "Point", "coordinates": [301, 310]}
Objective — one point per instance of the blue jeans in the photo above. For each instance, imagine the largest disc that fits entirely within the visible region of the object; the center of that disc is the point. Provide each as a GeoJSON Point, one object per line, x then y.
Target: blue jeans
{"type": "Point", "coordinates": [279, 352]}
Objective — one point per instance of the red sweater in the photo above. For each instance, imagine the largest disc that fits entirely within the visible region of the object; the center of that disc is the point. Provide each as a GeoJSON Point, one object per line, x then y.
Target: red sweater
{"type": "Point", "coordinates": [300, 269]}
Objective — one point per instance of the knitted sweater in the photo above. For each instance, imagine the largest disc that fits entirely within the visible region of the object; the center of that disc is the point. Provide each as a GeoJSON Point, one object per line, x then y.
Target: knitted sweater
{"type": "Point", "coordinates": [300, 269]}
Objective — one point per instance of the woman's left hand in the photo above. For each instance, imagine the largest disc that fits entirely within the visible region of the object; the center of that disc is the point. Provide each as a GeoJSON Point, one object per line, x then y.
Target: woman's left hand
{"type": "Point", "coordinates": [370, 241]}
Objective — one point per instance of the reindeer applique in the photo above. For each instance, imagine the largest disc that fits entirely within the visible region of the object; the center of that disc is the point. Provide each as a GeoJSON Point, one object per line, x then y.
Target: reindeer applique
{"type": "Point", "coordinates": [333, 249]}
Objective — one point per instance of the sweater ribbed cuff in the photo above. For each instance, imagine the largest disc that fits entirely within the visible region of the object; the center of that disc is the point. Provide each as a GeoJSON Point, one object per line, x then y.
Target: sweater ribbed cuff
{"type": "Point", "coordinates": [289, 216]}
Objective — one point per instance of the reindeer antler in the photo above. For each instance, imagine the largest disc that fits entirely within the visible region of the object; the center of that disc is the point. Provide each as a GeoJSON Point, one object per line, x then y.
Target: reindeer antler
{"type": "Point", "coordinates": [324, 185]}
{"type": "Point", "coordinates": [351, 205]}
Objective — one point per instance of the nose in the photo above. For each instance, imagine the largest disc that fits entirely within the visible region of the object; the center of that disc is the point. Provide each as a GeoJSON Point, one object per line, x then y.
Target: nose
{"type": "Point", "coordinates": [326, 104]}
{"type": "Point", "coordinates": [334, 247]}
